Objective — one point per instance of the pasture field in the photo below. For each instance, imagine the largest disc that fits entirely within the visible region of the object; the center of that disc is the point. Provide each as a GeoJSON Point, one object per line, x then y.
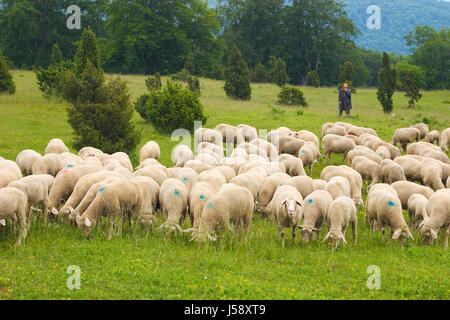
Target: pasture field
{"type": "Point", "coordinates": [141, 266]}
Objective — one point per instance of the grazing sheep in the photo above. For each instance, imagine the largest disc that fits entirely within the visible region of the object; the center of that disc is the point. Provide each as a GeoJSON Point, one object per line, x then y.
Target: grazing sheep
{"type": "Point", "coordinates": [383, 152]}
{"type": "Point", "coordinates": [306, 136]}
{"type": "Point", "coordinates": [181, 154]}
{"type": "Point", "coordinates": [435, 154]}
{"type": "Point", "coordinates": [150, 189]}
{"type": "Point", "coordinates": [123, 159]}
{"type": "Point", "coordinates": [309, 154]}
{"type": "Point", "coordinates": [214, 178]}
{"type": "Point", "coordinates": [248, 133]}
{"type": "Point", "coordinates": [173, 197]}
{"type": "Point", "coordinates": [338, 186]}
{"type": "Point", "coordinates": [200, 193]}
{"type": "Point", "coordinates": [149, 150]}
{"type": "Point", "coordinates": [445, 139]}
{"type": "Point", "coordinates": [432, 174]}
{"type": "Point", "coordinates": [332, 143]}
{"type": "Point", "coordinates": [9, 171]}
{"type": "Point", "coordinates": [208, 135]}
{"type": "Point", "coordinates": [226, 171]}
{"type": "Point", "coordinates": [212, 149]}
{"type": "Point", "coordinates": [393, 150]}
{"type": "Point", "coordinates": [411, 167]}
{"type": "Point", "coordinates": [417, 209]}
{"type": "Point", "coordinates": [391, 171]}
{"type": "Point", "coordinates": [198, 166]}
{"type": "Point", "coordinates": [319, 184]}
{"type": "Point", "coordinates": [368, 169]}
{"type": "Point", "coordinates": [146, 162]}
{"type": "Point", "coordinates": [25, 160]}
{"type": "Point", "coordinates": [87, 152]}
{"type": "Point", "coordinates": [333, 129]}
{"type": "Point", "coordinates": [358, 131]}
{"type": "Point", "coordinates": [13, 206]}
{"type": "Point", "coordinates": [290, 145]}
{"type": "Point", "coordinates": [417, 147]}
{"type": "Point", "coordinates": [448, 183]}
{"type": "Point", "coordinates": [287, 208]}
{"type": "Point", "coordinates": [207, 158]}
{"type": "Point", "coordinates": [155, 172]}
{"type": "Point", "coordinates": [433, 137]}
{"type": "Point", "coordinates": [303, 184]}
{"type": "Point", "coordinates": [294, 166]}
{"type": "Point", "coordinates": [234, 163]}
{"type": "Point", "coordinates": [423, 129]}
{"type": "Point", "coordinates": [250, 149]}
{"type": "Point", "coordinates": [251, 182]}
{"type": "Point", "coordinates": [405, 136]}
{"type": "Point", "coordinates": [341, 214]}
{"type": "Point", "coordinates": [230, 134]}
{"type": "Point", "coordinates": [352, 176]}
{"type": "Point", "coordinates": [406, 189]}
{"type": "Point", "coordinates": [438, 209]}
{"type": "Point", "coordinates": [371, 155]}
{"type": "Point", "coordinates": [314, 214]}
{"type": "Point", "coordinates": [271, 149]}
{"type": "Point", "coordinates": [239, 152]}
{"type": "Point", "coordinates": [233, 204]}
{"type": "Point", "coordinates": [268, 187]}
{"type": "Point", "coordinates": [56, 146]}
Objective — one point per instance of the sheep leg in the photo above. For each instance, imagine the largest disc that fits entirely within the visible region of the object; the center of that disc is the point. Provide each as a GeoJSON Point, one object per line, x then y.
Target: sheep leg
{"type": "Point", "coordinates": [282, 236]}
{"type": "Point", "coordinates": [446, 237]}
{"type": "Point", "coordinates": [355, 232]}
{"type": "Point", "coordinates": [329, 156]}
{"type": "Point", "coordinates": [294, 233]}
{"type": "Point", "coordinates": [110, 227]}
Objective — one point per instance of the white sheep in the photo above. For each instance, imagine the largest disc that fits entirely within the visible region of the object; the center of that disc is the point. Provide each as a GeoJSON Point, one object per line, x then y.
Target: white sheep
{"type": "Point", "coordinates": [294, 166]}
{"type": "Point", "coordinates": [270, 149]}
{"type": "Point", "coordinates": [13, 206]}
{"type": "Point", "coordinates": [411, 167]}
{"type": "Point", "coordinates": [341, 214]}
{"type": "Point", "coordinates": [154, 171]}
{"type": "Point", "coordinates": [289, 144]}
{"type": "Point", "coordinates": [417, 209]}
{"type": "Point", "coordinates": [207, 135]}
{"type": "Point", "coordinates": [173, 197]}
{"type": "Point", "coordinates": [368, 169]}
{"type": "Point", "coordinates": [306, 136]}
{"type": "Point", "coordinates": [9, 171]}
{"type": "Point", "coordinates": [319, 184]}
{"type": "Point", "coordinates": [338, 186]}
{"type": "Point", "coordinates": [25, 160]}
{"type": "Point", "coordinates": [268, 187]}
{"type": "Point", "coordinates": [304, 184]}
{"type": "Point", "coordinates": [433, 137]}
{"type": "Point", "coordinates": [230, 134]}
{"type": "Point", "coordinates": [438, 209]}
{"type": "Point", "coordinates": [406, 189]}
{"type": "Point", "coordinates": [56, 146]}
{"type": "Point", "coordinates": [391, 171]}
{"type": "Point", "coordinates": [314, 214]}
{"type": "Point", "coordinates": [200, 193]}
{"type": "Point", "coordinates": [198, 166]}
{"type": "Point", "coordinates": [248, 133]}
{"type": "Point", "coordinates": [181, 154]}
{"type": "Point", "coordinates": [309, 154]}
{"type": "Point", "coordinates": [405, 136]}
{"type": "Point", "coordinates": [432, 174]}
{"type": "Point", "coordinates": [149, 150]}
{"type": "Point", "coordinates": [251, 182]}
{"type": "Point", "coordinates": [445, 139]}
{"type": "Point", "coordinates": [423, 129]}
{"type": "Point", "coordinates": [332, 143]}
{"type": "Point", "coordinates": [352, 176]}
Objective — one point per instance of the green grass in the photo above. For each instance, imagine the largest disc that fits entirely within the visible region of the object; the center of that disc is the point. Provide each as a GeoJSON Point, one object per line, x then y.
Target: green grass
{"type": "Point", "coordinates": [155, 267]}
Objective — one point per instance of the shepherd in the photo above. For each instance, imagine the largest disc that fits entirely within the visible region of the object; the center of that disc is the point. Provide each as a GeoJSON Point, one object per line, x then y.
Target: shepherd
{"type": "Point", "coordinates": [345, 100]}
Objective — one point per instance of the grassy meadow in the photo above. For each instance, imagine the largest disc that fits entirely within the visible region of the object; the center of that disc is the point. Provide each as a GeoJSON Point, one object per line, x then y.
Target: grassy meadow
{"type": "Point", "coordinates": [137, 266]}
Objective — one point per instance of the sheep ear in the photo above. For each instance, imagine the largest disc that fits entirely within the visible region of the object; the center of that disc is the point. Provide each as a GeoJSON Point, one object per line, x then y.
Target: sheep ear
{"type": "Point", "coordinates": [300, 227]}
{"type": "Point", "coordinates": [54, 211]}
{"type": "Point", "coordinates": [284, 202]}
{"type": "Point", "coordinates": [299, 203]}
{"type": "Point", "coordinates": [397, 234]}
{"type": "Point", "coordinates": [434, 234]}
{"type": "Point", "coordinates": [87, 222]}
{"type": "Point", "coordinates": [343, 238]}
{"type": "Point", "coordinates": [3, 222]}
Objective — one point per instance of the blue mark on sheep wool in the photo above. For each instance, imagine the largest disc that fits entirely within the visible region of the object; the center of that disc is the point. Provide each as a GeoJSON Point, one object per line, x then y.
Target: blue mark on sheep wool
{"type": "Point", "coordinates": [381, 155]}
{"type": "Point", "coordinates": [310, 200]}
{"type": "Point", "coordinates": [69, 166]}
{"type": "Point", "coordinates": [209, 205]}
{"type": "Point", "coordinates": [303, 151]}
{"type": "Point", "coordinates": [391, 204]}
{"type": "Point", "coordinates": [185, 179]}
{"type": "Point", "coordinates": [202, 197]}
{"type": "Point", "coordinates": [102, 189]}
{"type": "Point", "coordinates": [176, 192]}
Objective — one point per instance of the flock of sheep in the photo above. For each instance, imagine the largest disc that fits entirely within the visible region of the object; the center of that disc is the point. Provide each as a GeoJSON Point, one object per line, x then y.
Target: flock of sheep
{"type": "Point", "coordinates": [221, 192]}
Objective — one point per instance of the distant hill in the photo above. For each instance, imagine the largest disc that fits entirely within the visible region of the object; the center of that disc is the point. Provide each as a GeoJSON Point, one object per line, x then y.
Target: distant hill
{"type": "Point", "coordinates": [398, 18]}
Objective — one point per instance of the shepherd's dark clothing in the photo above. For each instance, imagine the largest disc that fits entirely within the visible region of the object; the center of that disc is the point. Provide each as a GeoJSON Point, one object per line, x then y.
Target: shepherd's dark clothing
{"type": "Point", "coordinates": [345, 101]}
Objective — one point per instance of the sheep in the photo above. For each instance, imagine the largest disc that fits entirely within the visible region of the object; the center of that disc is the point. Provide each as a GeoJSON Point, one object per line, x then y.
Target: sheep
{"type": "Point", "coordinates": [435, 154]}
{"type": "Point", "coordinates": [416, 147]}
{"type": "Point", "coordinates": [319, 184]}
{"type": "Point", "coordinates": [248, 133]}
{"type": "Point", "coordinates": [383, 152]}
{"type": "Point", "coordinates": [234, 163]}
{"type": "Point", "coordinates": [287, 208]}
{"type": "Point", "coordinates": [268, 187]}
{"type": "Point", "coordinates": [438, 209]}
{"type": "Point", "coordinates": [406, 188]}
{"type": "Point", "coordinates": [273, 136]}
{"type": "Point", "coordinates": [239, 152]}
{"type": "Point", "coordinates": [200, 193]}
{"type": "Point", "coordinates": [112, 164]}
{"type": "Point", "coordinates": [226, 171]}
{"type": "Point", "coordinates": [155, 172]}
{"type": "Point", "coordinates": [432, 174]}
{"type": "Point", "coordinates": [251, 182]}
{"type": "Point", "coordinates": [149, 150]}
{"type": "Point", "coordinates": [333, 129]}
{"type": "Point", "coordinates": [56, 146]}
{"type": "Point", "coordinates": [250, 165]}
{"type": "Point", "coordinates": [341, 214]}
{"type": "Point", "coordinates": [445, 139]}
{"type": "Point", "coordinates": [314, 214]}
{"type": "Point", "coordinates": [13, 206]}
{"type": "Point", "coordinates": [391, 171]}
{"type": "Point", "coordinates": [294, 166]}
{"type": "Point", "coordinates": [303, 184]}
{"type": "Point", "coordinates": [306, 136]}
{"type": "Point", "coordinates": [233, 204]}
{"type": "Point", "coordinates": [230, 134]}
{"type": "Point", "coordinates": [448, 183]}
{"type": "Point", "coordinates": [172, 172]}
{"type": "Point", "coordinates": [207, 158]}
{"type": "Point", "coordinates": [275, 166]}
{"type": "Point", "coordinates": [405, 136]}
{"type": "Point", "coordinates": [332, 143]}
{"type": "Point", "coordinates": [433, 137]}
{"type": "Point", "coordinates": [352, 176]}
{"type": "Point", "coordinates": [411, 167]}
{"type": "Point", "coordinates": [270, 148]}
{"type": "Point", "coordinates": [309, 154]}
{"type": "Point", "coordinates": [198, 166]}
{"type": "Point", "coordinates": [393, 150]}
{"type": "Point", "coordinates": [123, 172]}
{"type": "Point", "coordinates": [173, 197]}
{"type": "Point", "coordinates": [250, 149]}
{"type": "Point", "coordinates": [371, 155]}
{"type": "Point", "coordinates": [214, 178]}
{"type": "Point", "coordinates": [25, 160]}
{"type": "Point", "coordinates": [9, 171]}
{"type": "Point", "coordinates": [114, 200]}
{"type": "Point", "coordinates": [123, 159]}
{"type": "Point", "coordinates": [358, 131]}
{"type": "Point", "coordinates": [87, 152]}
{"type": "Point", "coordinates": [212, 149]}
{"type": "Point", "coordinates": [423, 129]}
{"type": "Point", "coordinates": [208, 135]}
{"type": "Point", "coordinates": [368, 169]}
{"type": "Point", "coordinates": [181, 154]}
{"type": "Point", "coordinates": [290, 145]}
{"type": "Point", "coordinates": [417, 209]}
{"type": "Point", "coordinates": [338, 186]}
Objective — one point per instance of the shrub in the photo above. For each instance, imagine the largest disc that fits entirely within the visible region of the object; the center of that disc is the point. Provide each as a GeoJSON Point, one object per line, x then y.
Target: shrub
{"type": "Point", "coordinates": [7, 84]}
{"type": "Point", "coordinates": [181, 75]}
{"type": "Point", "coordinates": [259, 74]}
{"type": "Point", "coordinates": [173, 107]}
{"type": "Point", "coordinates": [277, 71]}
{"type": "Point", "coordinates": [189, 64]}
{"type": "Point", "coordinates": [312, 78]}
{"type": "Point", "coordinates": [194, 84]}
{"type": "Point", "coordinates": [140, 106]}
{"type": "Point", "coordinates": [300, 112]}
{"type": "Point", "coordinates": [387, 82]}
{"type": "Point", "coordinates": [87, 50]}
{"type": "Point", "coordinates": [49, 80]}
{"type": "Point", "coordinates": [275, 111]}
{"type": "Point", "coordinates": [217, 72]}
{"type": "Point", "coordinates": [291, 96]}
{"type": "Point", "coordinates": [237, 83]}
{"type": "Point", "coordinates": [56, 57]}
{"type": "Point", "coordinates": [410, 79]}
{"type": "Point", "coordinates": [153, 82]}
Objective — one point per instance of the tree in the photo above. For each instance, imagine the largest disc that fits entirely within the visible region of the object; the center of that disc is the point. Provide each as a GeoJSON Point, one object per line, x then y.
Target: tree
{"type": "Point", "coordinates": [56, 55]}
{"type": "Point", "coordinates": [410, 80]}
{"type": "Point", "coordinates": [217, 72]}
{"type": "Point", "coordinates": [189, 65]}
{"type": "Point", "coordinates": [87, 50]}
{"type": "Point", "coordinates": [312, 79]}
{"type": "Point", "coordinates": [7, 84]}
{"type": "Point", "coordinates": [259, 73]}
{"type": "Point", "coordinates": [153, 82]}
{"type": "Point", "coordinates": [387, 82]}
{"type": "Point", "coordinates": [277, 71]}
{"type": "Point", "coordinates": [237, 79]}
{"type": "Point", "coordinates": [346, 75]}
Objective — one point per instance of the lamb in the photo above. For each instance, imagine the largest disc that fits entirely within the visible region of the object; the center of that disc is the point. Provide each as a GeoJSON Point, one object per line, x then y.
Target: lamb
{"type": "Point", "coordinates": [290, 145]}
{"type": "Point", "coordinates": [230, 134]}
{"type": "Point", "coordinates": [338, 186]}
{"type": "Point", "coordinates": [306, 136]}
{"type": "Point", "coordinates": [181, 154]}
{"type": "Point", "coordinates": [352, 176]}
{"type": "Point", "coordinates": [417, 209]}
{"type": "Point", "coordinates": [56, 146]}
{"type": "Point", "coordinates": [432, 174]}
{"type": "Point", "coordinates": [433, 137]}
{"type": "Point", "coordinates": [13, 206]}
{"type": "Point", "coordinates": [248, 133]}
{"type": "Point", "coordinates": [173, 197]}
{"type": "Point", "coordinates": [405, 136]}
{"type": "Point", "coordinates": [25, 160]}
{"type": "Point", "coordinates": [149, 150]}
{"type": "Point", "coordinates": [368, 169]}
{"type": "Point", "coordinates": [309, 154]}
{"type": "Point", "coordinates": [391, 171]}
{"type": "Point", "coordinates": [303, 184]}
{"type": "Point", "coordinates": [341, 214]}
{"type": "Point", "coordinates": [231, 204]}
{"type": "Point", "coordinates": [208, 135]}
{"type": "Point", "coordinates": [314, 214]}
{"type": "Point", "coordinates": [406, 189]}
{"type": "Point", "coordinates": [268, 187]}
{"type": "Point", "coordinates": [294, 166]}
{"type": "Point", "coordinates": [332, 143]}
{"type": "Point", "coordinates": [438, 209]}
{"type": "Point", "coordinates": [445, 139]}
{"type": "Point", "coordinates": [9, 171]}
{"type": "Point", "coordinates": [423, 129]}
{"type": "Point", "coordinates": [287, 208]}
